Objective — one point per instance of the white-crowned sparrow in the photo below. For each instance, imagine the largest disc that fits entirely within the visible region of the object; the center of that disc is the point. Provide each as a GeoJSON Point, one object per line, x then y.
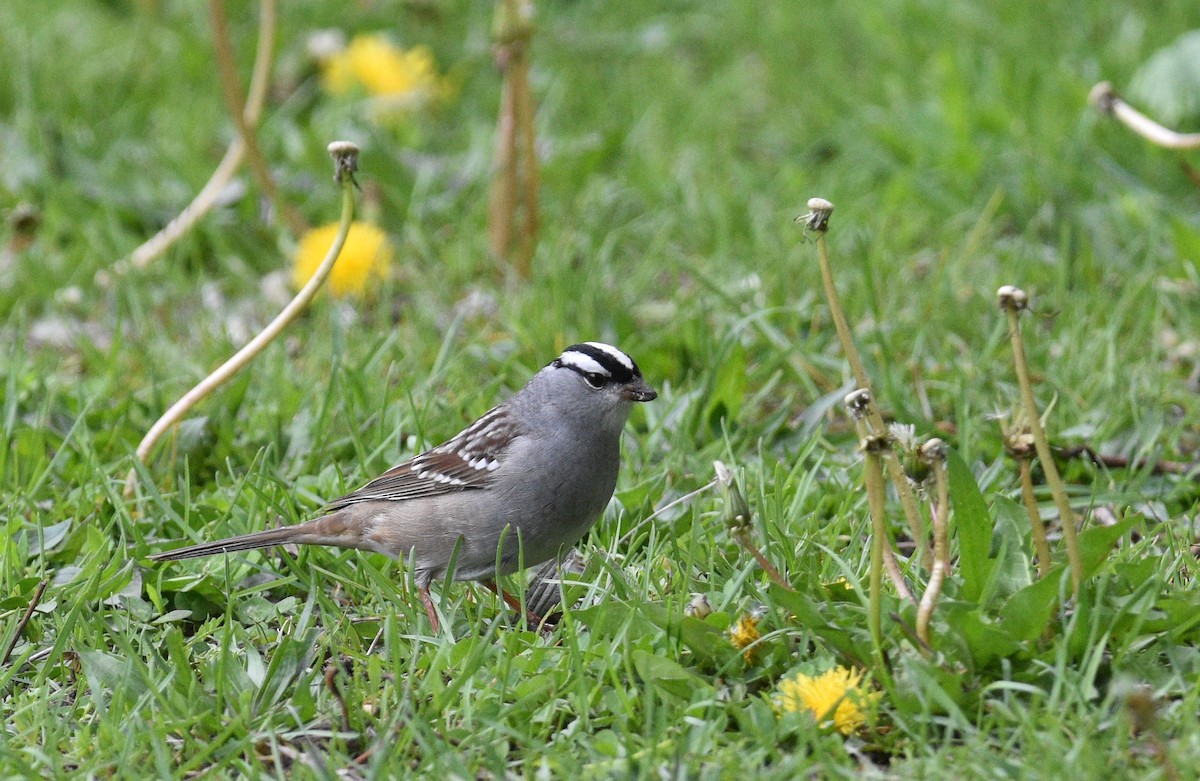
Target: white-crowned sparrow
{"type": "Point", "coordinates": [521, 484]}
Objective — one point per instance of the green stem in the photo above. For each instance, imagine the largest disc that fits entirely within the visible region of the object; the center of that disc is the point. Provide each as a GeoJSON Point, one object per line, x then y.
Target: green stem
{"type": "Point", "coordinates": [912, 513]}
{"type": "Point", "coordinates": [941, 552]}
{"type": "Point", "coordinates": [889, 558]}
{"type": "Point", "coordinates": [744, 540]}
{"type": "Point", "coordinates": [875, 489]}
{"type": "Point", "coordinates": [256, 345]}
{"type": "Point", "coordinates": [1057, 490]}
{"type": "Point", "coordinates": [1036, 526]}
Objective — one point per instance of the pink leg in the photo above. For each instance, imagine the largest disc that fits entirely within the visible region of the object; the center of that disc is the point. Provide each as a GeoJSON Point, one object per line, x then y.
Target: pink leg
{"type": "Point", "coordinates": [531, 618]}
{"type": "Point", "coordinates": [427, 601]}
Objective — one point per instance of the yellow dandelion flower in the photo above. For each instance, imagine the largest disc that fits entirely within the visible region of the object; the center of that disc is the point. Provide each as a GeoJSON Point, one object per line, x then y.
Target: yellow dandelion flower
{"type": "Point", "coordinates": [743, 633]}
{"type": "Point", "coordinates": [836, 695]}
{"type": "Point", "coordinates": [364, 259]}
{"type": "Point", "coordinates": [380, 69]}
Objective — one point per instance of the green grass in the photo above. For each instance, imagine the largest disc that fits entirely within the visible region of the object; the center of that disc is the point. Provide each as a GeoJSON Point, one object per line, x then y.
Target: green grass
{"type": "Point", "coordinates": [679, 141]}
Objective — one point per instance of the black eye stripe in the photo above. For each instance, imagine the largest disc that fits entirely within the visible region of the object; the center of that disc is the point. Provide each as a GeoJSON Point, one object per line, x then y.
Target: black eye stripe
{"type": "Point", "coordinates": [594, 379]}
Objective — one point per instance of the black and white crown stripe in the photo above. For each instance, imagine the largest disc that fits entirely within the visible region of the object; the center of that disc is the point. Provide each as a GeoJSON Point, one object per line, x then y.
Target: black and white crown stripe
{"type": "Point", "coordinates": [599, 358]}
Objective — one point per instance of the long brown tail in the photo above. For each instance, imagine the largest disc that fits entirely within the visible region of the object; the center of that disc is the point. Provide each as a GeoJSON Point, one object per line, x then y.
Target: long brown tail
{"type": "Point", "coordinates": [327, 530]}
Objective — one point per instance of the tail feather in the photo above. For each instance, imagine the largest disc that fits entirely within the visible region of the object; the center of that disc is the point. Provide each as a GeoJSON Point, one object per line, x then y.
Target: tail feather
{"type": "Point", "coordinates": [326, 530]}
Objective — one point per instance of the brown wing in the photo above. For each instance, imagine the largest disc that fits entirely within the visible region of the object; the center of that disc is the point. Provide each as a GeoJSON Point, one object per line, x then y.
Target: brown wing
{"type": "Point", "coordinates": [466, 462]}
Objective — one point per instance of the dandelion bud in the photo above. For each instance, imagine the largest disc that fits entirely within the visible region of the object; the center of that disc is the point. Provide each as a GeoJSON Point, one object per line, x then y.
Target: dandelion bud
{"type": "Point", "coordinates": [345, 159]}
{"type": "Point", "coordinates": [1103, 97]}
{"type": "Point", "coordinates": [934, 450]}
{"type": "Point", "coordinates": [858, 402]}
{"type": "Point", "coordinates": [1012, 298]}
{"type": "Point", "coordinates": [737, 509]}
{"type": "Point", "coordinates": [698, 607]}
{"type": "Point", "coordinates": [876, 444]}
{"type": "Point", "coordinates": [817, 218]}
{"type": "Point", "coordinates": [513, 20]}
{"type": "Point", "coordinates": [1019, 444]}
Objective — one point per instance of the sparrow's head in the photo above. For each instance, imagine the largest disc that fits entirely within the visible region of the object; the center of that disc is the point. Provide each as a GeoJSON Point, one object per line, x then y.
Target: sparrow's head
{"type": "Point", "coordinates": [604, 370]}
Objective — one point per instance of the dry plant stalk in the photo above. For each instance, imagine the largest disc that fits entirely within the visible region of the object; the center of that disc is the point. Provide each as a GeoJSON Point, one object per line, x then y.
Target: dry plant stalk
{"type": "Point", "coordinates": [1190, 469]}
{"type": "Point", "coordinates": [227, 70]}
{"type": "Point", "coordinates": [817, 221]}
{"type": "Point", "coordinates": [34, 601]}
{"type": "Point", "coordinates": [516, 181]}
{"type": "Point", "coordinates": [1142, 707]}
{"type": "Point", "coordinates": [1018, 442]}
{"type": "Point", "coordinates": [1106, 100]}
{"type": "Point", "coordinates": [331, 684]}
{"type": "Point", "coordinates": [857, 402]}
{"type": "Point", "coordinates": [934, 452]}
{"type": "Point", "coordinates": [207, 197]}
{"type": "Point", "coordinates": [345, 155]}
{"type": "Point", "coordinates": [1036, 526]}
{"type": "Point", "coordinates": [873, 448]}
{"type": "Point", "coordinates": [1013, 301]}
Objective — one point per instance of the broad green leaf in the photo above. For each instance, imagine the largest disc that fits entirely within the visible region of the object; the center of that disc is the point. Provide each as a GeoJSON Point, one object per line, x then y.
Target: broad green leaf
{"type": "Point", "coordinates": [1028, 612]}
{"type": "Point", "coordinates": [922, 685]}
{"type": "Point", "coordinates": [985, 640]}
{"type": "Point", "coordinates": [668, 675]}
{"type": "Point", "coordinates": [706, 641]}
{"type": "Point", "coordinates": [811, 614]}
{"type": "Point", "coordinates": [172, 616]}
{"type": "Point", "coordinates": [293, 656]}
{"type": "Point", "coordinates": [108, 675]}
{"type": "Point", "coordinates": [611, 620]}
{"type": "Point", "coordinates": [1168, 83]}
{"type": "Point", "coordinates": [974, 525]}
{"type": "Point", "coordinates": [47, 538]}
{"type": "Point", "coordinates": [1096, 543]}
{"type": "Point", "coordinates": [728, 391]}
{"type": "Point", "coordinates": [1179, 615]}
{"type": "Point", "coordinates": [1010, 569]}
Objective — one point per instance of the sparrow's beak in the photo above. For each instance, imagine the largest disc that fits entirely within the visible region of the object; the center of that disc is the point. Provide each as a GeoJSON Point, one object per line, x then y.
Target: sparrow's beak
{"type": "Point", "coordinates": [638, 390]}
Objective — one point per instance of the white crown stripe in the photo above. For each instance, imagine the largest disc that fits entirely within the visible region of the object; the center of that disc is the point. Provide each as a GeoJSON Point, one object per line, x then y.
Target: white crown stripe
{"type": "Point", "coordinates": [584, 363]}
{"type": "Point", "coordinates": [616, 354]}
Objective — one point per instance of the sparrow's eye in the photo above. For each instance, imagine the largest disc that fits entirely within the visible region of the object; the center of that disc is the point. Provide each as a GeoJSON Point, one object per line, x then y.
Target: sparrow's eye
{"type": "Point", "coordinates": [595, 379]}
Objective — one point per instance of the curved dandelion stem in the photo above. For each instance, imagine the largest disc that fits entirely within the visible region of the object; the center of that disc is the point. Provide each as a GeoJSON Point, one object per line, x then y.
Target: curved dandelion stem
{"type": "Point", "coordinates": [207, 197]}
{"type": "Point", "coordinates": [502, 200]}
{"type": "Point", "coordinates": [1107, 101]}
{"type": "Point", "coordinates": [941, 539]}
{"type": "Point", "coordinates": [345, 155]}
{"type": "Point", "coordinates": [530, 181]}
